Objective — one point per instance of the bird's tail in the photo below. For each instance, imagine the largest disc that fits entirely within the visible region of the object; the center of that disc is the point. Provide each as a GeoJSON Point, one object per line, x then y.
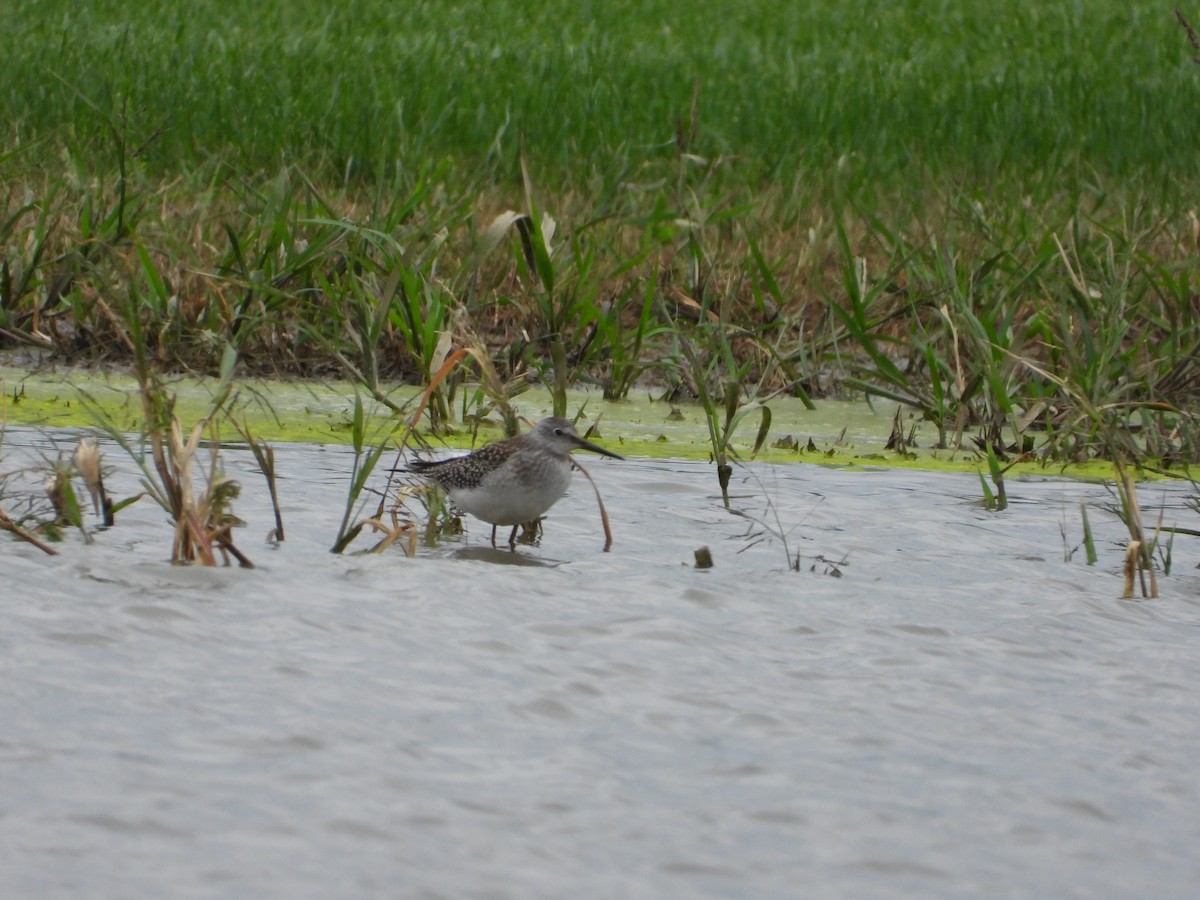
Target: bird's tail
{"type": "Point", "coordinates": [421, 465]}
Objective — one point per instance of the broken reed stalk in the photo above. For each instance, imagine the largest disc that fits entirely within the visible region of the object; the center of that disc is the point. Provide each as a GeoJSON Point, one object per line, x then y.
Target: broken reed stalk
{"type": "Point", "coordinates": [7, 524]}
{"type": "Point", "coordinates": [1139, 548]}
{"type": "Point", "coordinates": [87, 464]}
{"type": "Point", "coordinates": [1132, 552]}
{"type": "Point", "coordinates": [608, 538]}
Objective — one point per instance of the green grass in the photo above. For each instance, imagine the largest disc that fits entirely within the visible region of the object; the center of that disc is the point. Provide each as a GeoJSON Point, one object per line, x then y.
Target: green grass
{"type": "Point", "coordinates": [982, 210]}
{"type": "Point", "coordinates": [370, 89]}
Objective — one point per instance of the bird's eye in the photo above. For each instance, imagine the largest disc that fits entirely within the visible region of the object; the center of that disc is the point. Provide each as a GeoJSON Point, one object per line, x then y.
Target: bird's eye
{"type": "Point", "coordinates": [559, 432]}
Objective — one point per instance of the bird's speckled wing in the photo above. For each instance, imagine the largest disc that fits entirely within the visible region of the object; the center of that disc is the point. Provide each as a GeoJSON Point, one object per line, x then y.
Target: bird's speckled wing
{"type": "Point", "coordinates": [465, 471]}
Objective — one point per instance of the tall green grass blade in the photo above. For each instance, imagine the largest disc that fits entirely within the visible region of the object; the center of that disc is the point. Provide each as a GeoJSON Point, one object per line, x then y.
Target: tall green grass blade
{"type": "Point", "coordinates": [1089, 543]}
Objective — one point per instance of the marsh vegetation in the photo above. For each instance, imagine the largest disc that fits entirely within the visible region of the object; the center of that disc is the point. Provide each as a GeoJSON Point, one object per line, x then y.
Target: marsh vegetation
{"type": "Point", "coordinates": [986, 212]}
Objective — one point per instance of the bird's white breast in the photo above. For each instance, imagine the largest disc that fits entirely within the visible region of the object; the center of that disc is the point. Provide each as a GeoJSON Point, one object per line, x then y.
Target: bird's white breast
{"type": "Point", "coordinates": [511, 495]}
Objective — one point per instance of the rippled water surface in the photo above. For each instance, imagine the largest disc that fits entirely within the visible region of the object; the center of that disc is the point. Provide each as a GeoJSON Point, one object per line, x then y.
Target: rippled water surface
{"type": "Point", "coordinates": [960, 713]}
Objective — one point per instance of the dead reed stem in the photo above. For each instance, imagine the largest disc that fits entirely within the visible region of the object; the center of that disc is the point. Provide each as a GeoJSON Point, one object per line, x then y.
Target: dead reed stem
{"type": "Point", "coordinates": [608, 537]}
{"type": "Point", "coordinates": [7, 524]}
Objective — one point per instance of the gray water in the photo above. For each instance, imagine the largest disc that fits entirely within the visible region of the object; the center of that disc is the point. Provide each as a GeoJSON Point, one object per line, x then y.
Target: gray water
{"type": "Point", "coordinates": [961, 713]}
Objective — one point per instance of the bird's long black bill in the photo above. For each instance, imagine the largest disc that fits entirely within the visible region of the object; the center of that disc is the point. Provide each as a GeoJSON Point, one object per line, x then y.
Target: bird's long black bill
{"type": "Point", "coordinates": [596, 448]}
